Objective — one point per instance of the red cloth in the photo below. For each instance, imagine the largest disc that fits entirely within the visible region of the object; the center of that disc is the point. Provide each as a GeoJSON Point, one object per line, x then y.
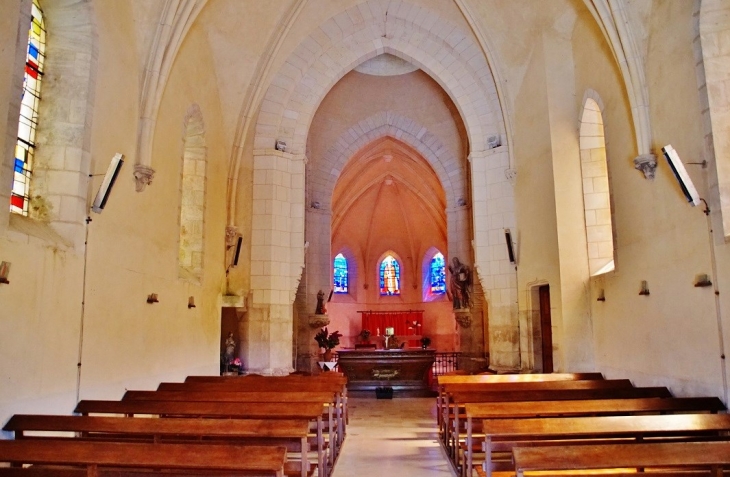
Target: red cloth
{"type": "Point", "coordinates": [400, 322]}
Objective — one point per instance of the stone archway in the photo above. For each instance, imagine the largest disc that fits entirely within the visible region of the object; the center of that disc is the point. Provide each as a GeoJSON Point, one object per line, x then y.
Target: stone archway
{"type": "Point", "coordinates": [448, 53]}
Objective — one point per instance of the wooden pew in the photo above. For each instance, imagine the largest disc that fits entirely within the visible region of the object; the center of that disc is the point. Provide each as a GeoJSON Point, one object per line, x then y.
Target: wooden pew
{"type": "Point", "coordinates": [312, 412]}
{"type": "Point", "coordinates": [475, 412]}
{"type": "Point", "coordinates": [327, 397]}
{"type": "Point", "coordinates": [96, 456]}
{"type": "Point", "coordinates": [229, 396]}
{"type": "Point", "coordinates": [502, 435]}
{"type": "Point", "coordinates": [331, 377]}
{"type": "Point", "coordinates": [275, 384]}
{"type": "Point", "coordinates": [711, 456]}
{"type": "Point", "coordinates": [290, 433]}
{"type": "Point", "coordinates": [505, 378]}
{"type": "Point", "coordinates": [456, 395]}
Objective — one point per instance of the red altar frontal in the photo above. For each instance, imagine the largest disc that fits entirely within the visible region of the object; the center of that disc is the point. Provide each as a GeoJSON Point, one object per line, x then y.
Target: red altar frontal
{"type": "Point", "coordinates": [404, 323]}
{"type": "Point", "coordinates": [405, 370]}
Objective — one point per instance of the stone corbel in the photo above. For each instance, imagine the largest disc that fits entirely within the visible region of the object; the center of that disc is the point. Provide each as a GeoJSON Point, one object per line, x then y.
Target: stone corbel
{"type": "Point", "coordinates": [463, 318]}
{"type": "Point", "coordinates": [511, 175]}
{"type": "Point", "coordinates": [646, 163]}
{"type": "Point", "coordinates": [142, 176]}
{"type": "Point", "coordinates": [231, 235]}
{"type": "Point", "coordinates": [318, 321]}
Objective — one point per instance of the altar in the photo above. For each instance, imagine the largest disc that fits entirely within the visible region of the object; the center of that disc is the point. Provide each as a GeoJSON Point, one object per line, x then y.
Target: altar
{"type": "Point", "coordinates": [405, 370]}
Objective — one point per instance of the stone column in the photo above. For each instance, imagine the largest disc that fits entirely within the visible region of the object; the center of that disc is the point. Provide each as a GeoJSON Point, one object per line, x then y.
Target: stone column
{"type": "Point", "coordinates": [493, 211]}
{"type": "Point", "coordinates": [277, 259]}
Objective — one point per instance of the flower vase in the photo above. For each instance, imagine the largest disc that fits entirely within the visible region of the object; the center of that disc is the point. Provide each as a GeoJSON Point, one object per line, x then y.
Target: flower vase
{"type": "Point", "coordinates": [327, 356]}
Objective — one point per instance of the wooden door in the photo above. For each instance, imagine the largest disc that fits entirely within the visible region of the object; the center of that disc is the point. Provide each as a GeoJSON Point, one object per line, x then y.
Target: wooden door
{"type": "Point", "coordinates": [546, 329]}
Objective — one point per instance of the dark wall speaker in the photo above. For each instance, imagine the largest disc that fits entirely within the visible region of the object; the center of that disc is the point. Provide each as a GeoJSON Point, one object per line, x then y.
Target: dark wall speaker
{"type": "Point", "coordinates": [510, 248]}
{"type": "Point", "coordinates": [106, 185]}
{"type": "Point", "coordinates": [238, 251]}
{"type": "Point", "coordinates": [680, 173]}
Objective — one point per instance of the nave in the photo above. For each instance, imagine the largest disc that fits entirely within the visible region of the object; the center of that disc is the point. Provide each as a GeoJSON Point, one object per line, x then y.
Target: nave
{"type": "Point", "coordinates": [392, 437]}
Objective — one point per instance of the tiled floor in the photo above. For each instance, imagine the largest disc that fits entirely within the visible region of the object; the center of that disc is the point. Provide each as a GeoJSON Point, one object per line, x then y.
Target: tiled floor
{"type": "Point", "coordinates": [395, 437]}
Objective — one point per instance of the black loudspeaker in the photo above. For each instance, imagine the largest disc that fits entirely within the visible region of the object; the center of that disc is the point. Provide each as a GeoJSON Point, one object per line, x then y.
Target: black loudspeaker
{"type": "Point", "coordinates": [680, 173]}
{"type": "Point", "coordinates": [238, 251]}
{"type": "Point", "coordinates": [510, 249]}
{"type": "Point", "coordinates": [106, 185]}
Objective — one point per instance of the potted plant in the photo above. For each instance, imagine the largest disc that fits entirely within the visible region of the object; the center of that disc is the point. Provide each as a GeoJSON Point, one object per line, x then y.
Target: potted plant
{"type": "Point", "coordinates": [327, 341]}
{"type": "Point", "coordinates": [425, 342]}
{"type": "Point", "coordinates": [365, 336]}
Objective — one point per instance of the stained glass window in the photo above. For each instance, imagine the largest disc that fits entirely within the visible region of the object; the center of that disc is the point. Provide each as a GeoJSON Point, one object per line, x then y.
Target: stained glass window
{"type": "Point", "coordinates": [438, 274]}
{"type": "Point", "coordinates": [389, 276]}
{"type": "Point", "coordinates": [23, 168]}
{"type": "Point", "coordinates": [340, 274]}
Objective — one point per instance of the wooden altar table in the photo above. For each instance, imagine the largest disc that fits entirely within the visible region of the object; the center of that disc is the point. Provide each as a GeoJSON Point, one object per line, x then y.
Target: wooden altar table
{"type": "Point", "coordinates": [405, 370]}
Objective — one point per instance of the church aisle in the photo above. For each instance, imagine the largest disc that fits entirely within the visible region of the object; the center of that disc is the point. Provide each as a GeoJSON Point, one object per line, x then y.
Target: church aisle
{"type": "Point", "coordinates": [392, 437]}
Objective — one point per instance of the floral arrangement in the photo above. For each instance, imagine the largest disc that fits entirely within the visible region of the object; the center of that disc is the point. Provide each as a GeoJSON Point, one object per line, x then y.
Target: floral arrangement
{"type": "Point", "coordinates": [237, 362]}
{"type": "Point", "coordinates": [425, 342]}
{"type": "Point", "coordinates": [365, 334]}
{"type": "Point", "coordinates": [327, 340]}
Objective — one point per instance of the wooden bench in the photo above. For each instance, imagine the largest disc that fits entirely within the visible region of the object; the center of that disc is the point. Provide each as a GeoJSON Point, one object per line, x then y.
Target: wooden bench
{"type": "Point", "coordinates": [327, 398]}
{"type": "Point", "coordinates": [476, 412]}
{"type": "Point", "coordinates": [505, 378]}
{"type": "Point", "coordinates": [711, 456]}
{"type": "Point", "coordinates": [96, 456]}
{"type": "Point", "coordinates": [312, 412]}
{"type": "Point", "coordinates": [292, 434]}
{"type": "Point", "coordinates": [330, 377]}
{"type": "Point", "coordinates": [502, 435]}
{"type": "Point", "coordinates": [455, 397]}
{"type": "Point", "coordinates": [274, 384]}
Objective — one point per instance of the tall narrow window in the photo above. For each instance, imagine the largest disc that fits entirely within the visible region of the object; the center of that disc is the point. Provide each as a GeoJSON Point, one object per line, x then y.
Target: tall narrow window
{"type": "Point", "coordinates": [596, 192]}
{"type": "Point", "coordinates": [389, 276]}
{"type": "Point", "coordinates": [340, 274]}
{"type": "Point", "coordinates": [192, 207]}
{"type": "Point", "coordinates": [24, 149]}
{"type": "Point", "coordinates": [437, 274]}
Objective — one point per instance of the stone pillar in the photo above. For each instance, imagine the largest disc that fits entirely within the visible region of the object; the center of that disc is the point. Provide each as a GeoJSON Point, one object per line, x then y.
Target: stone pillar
{"type": "Point", "coordinates": [493, 211]}
{"type": "Point", "coordinates": [277, 259]}
{"type": "Point", "coordinates": [318, 260]}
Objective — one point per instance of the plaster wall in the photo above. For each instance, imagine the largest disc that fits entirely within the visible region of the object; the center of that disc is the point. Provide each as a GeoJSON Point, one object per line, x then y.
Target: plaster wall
{"type": "Point", "coordinates": [671, 336]}
{"type": "Point", "coordinates": [133, 245]}
{"type": "Point", "coordinates": [536, 237]}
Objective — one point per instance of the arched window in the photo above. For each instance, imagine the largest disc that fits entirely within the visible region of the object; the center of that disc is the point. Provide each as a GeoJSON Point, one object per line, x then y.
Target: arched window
{"type": "Point", "coordinates": [340, 274]}
{"type": "Point", "coordinates": [437, 274]}
{"type": "Point", "coordinates": [192, 208]}
{"type": "Point", "coordinates": [389, 276]}
{"type": "Point", "coordinates": [25, 147]}
{"type": "Point", "coordinates": [596, 193]}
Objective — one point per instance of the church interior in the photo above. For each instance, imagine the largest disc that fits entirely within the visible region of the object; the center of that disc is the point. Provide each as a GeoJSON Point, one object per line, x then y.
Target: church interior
{"type": "Point", "coordinates": [181, 170]}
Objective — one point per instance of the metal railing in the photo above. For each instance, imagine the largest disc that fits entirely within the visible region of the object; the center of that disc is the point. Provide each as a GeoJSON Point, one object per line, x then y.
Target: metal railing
{"type": "Point", "coordinates": [446, 363]}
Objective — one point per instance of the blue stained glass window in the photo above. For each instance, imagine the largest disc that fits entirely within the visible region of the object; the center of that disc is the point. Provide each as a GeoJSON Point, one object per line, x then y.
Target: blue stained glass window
{"type": "Point", "coordinates": [340, 274]}
{"type": "Point", "coordinates": [28, 121]}
{"type": "Point", "coordinates": [438, 274]}
{"type": "Point", "coordinates": [389, 276]}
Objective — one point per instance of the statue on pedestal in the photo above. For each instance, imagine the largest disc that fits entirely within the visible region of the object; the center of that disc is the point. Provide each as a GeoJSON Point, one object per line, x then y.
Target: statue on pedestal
{"type": "Point", "coordinates": [320, 310]}
{"type": "Point", "coordinates": [460, 284]}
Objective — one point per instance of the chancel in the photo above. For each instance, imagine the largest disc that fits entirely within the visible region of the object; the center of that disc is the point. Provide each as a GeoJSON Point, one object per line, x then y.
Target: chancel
{"type": "Point", "coordinates": [527, 187]}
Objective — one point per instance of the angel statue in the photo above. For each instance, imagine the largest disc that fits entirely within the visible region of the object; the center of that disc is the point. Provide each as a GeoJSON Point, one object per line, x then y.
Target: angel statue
{"type": "Point", "coordinates": [460, 284]}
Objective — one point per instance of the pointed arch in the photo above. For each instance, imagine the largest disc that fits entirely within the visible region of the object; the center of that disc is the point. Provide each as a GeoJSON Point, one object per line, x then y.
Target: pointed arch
{"type": "Point", "coordinates": [596, 187]}
{"type": "Point", "coordinates": [61, 168]}
{"type": "Point", "coordinates": [389, 276]}
{"type": "Point", "coordinates": [340, 274]}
